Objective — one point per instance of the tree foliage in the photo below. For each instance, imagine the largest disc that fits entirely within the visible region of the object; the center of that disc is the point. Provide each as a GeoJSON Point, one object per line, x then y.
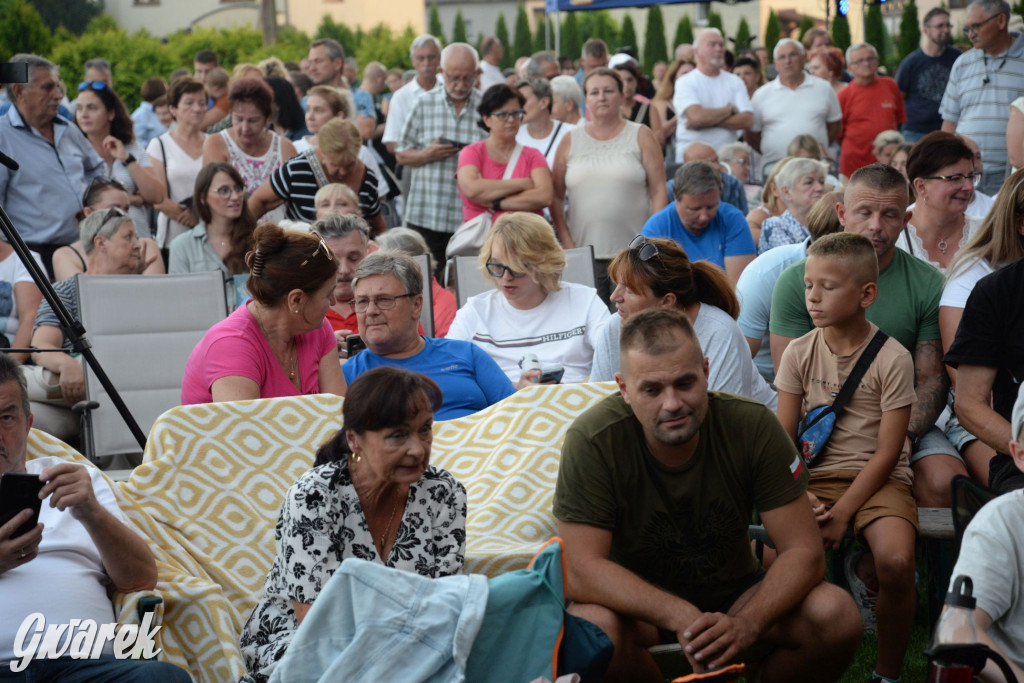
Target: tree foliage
{"type": "Point", "coordinates": [74, 15]}
{"type": "Point", "coordinates": [806, 24]}
{"type": "Point", "coordinates": [655, 49]}
{"type": "Point", "coordinates": [571, 44]}
{"type": "Point", "coordinates": [627, 36]}
{"type": "Point", "coordinates": [501, 33]}
{"type": "Point", "coordinates": [22, 30]}
{"type": "Point", "coordinates": [382, 45]}
{"type": "Point", "coordinates": [841, 32]}
{"type": "Point", "coordinates": [599, 24]}
{"type": "Point", "coordinates": [459, 29]}
{"type": "Point", "coordinates": [540, 38]}
{"type": "Point", "coordinates": [434, 23]}
{"type": "Point", "coordinates": [874, 30]}
{"type": "Point", "coordinates": [684, 32]}
{"type": "Point", "coordinates": [772, 32]}
{"type": "Point", "coordinates": [522, 41]}
{"type": "Point", "coordinates": [743, 37]}
{"type": "Point", "coordinates": [910, 30]}
{"type": "Point", "coordinates": [715, 21]}
{"type": "Point", "coordinates": [345, 36]}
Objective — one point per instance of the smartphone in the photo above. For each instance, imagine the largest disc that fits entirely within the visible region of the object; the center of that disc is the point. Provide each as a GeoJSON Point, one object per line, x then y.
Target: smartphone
{"type": "Point", "coordinates": [18, 492]}
{"type": "Point", "coordinates": [456, 145]}
{"type": "Point", "coordinates": [14, 73]}
{"type": "Point", "coordinates": [354, 344]}
{"type": "Point", "coordinates": [552, 375]}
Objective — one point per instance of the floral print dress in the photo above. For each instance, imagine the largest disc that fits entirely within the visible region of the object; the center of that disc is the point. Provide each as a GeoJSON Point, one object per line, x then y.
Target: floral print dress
{"type": "Point", "coordinates": [321, 524]}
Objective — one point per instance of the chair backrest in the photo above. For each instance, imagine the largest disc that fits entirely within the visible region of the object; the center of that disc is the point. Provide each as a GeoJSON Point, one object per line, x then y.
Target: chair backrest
{"type": "Point", "coordinates": [469, 281]}
{"type": "Point", "coordinates": [427, 314]}
{"type": "Point", "coordinates": [142, 330]}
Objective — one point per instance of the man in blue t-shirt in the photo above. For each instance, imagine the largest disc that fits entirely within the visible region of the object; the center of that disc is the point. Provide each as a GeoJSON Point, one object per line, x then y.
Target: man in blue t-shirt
{"type": "Point", "coordinates": [705, 227]}
{"type": "Point", "coordinates": [923, 75]}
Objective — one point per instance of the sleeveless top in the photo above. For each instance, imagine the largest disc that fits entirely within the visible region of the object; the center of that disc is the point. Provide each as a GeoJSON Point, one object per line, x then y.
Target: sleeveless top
{"type": "Point", "coordinates": [607, 191]}
{"type": "Point", "coordinates": [256, 170]}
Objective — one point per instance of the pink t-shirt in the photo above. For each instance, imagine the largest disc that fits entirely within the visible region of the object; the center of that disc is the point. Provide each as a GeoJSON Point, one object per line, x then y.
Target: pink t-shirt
{"type": "Point", "coordinates": [445, 307]}
{"type": "Point", "coordinates": [476, 155]}
{"type": "Point", "coordinates": [236, 346]}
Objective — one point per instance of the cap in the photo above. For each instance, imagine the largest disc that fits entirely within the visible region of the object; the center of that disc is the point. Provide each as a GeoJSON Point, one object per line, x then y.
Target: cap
{"type": "Point", "coordinates": [1017, 417]}
{"type": "Point", "coordinates": [620, 58]}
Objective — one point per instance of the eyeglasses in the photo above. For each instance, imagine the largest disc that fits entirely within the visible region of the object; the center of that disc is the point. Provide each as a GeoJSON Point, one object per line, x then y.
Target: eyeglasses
{"type": "Point", "coordinates": [92, 85]}
{"type": "Point", "coordinates": [382, 302]}
{"type": "Point", "coordinates": [974, 28]}
{"type": "Point", "coordinates": [957, 179]}
{"type": "Point", "coordinates": [322, 246]}
{"type": "Point", "coordinates": [645, 250]}
{"type": "Point", "coordinates": [741, 161]}
{"type": "Point", "coordinates": [512, 113]}
{"type": "Point", "coordinates": [460, 79]}
{"type": "Point", "coordinates": [225, 192]}
{"type": "Point", "coordinates": [498, 270]}
{"type": "Point", "coordinates": [866, 60]}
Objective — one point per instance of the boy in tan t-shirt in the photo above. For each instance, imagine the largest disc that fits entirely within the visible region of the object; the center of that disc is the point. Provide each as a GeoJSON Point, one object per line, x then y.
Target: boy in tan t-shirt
{"type": "Point", "coordinates": [863, 474]}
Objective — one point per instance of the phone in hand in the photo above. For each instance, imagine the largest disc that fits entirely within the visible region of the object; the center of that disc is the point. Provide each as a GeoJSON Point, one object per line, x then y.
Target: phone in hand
{"type": "Point", "coordinates": [453, 143]}
{"type": "Point", "coordinates": [552, 375]}
{"type": "Point", "coordinates": [19, 492]}
{"type": "Point", "coordinates": [354, 344]}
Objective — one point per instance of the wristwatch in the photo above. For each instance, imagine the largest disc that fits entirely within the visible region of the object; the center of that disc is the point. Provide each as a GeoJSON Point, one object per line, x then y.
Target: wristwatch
{"type": "Point", "coordinates": [915, 440]}
{"type": "Point", "coordinates": [496, 204]}
{"type": "Point", "coordinates": [129, 160]}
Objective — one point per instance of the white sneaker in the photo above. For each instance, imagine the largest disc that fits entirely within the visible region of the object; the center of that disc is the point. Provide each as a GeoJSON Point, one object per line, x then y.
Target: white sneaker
{"type": "Point", "coordinates": [865, 598]}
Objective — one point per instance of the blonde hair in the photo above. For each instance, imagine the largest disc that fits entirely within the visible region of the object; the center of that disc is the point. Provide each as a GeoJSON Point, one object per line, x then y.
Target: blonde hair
{"type": "Point", "coordinates": [340, 101]}
{"type": "Point", "coordinates": [332, 190]}
{"type": "Point", "coordinates": [243, 69]}
{"type": "Point", "coordinates": [771, 197]}
{"type": "Point", "coordinates": [340, 139]}
{"type": "Point", "coordinates": [273, 67]}
{"type": "Point", "coordinates": [530, 247]}
{"type": "Point", "coordinates": [886, 137]}
{"type": "Point", "coordinates": [998, 241]}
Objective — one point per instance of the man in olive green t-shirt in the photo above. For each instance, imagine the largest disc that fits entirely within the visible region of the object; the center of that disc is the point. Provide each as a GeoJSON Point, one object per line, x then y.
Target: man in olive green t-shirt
{"type": "Point", "coordinates": [655, 491]}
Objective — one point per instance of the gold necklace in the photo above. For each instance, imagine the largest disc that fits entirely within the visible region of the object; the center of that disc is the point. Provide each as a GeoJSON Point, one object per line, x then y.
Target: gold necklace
{"type": "Point", "coordinates": [293, 362]}
{"type": "Point", "coordinates": [384, 534]}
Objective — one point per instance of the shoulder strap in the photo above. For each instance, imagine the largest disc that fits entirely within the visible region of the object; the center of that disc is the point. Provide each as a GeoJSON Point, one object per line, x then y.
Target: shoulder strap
{"type": "Point", "coordinates": [512, 161]}
{"type": "Point", "coordinates": [863, 363]}
{"type": "Point", "coordinates": [641, 113]}
{"type": "Point", "coordinates": [314, 164]}
{"type": "Point", "coordinates": [554, 136]}
{"type": "Point", "coordinates": [167, 175]}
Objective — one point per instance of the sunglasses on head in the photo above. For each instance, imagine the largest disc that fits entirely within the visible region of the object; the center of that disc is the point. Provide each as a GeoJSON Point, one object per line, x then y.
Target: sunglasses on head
{"type": "Point", "coordinates": [645, 250]}
{"type": "Point", "coordinates": [92, 85]}
{"type": "Point", "coordinates": [321, 246]}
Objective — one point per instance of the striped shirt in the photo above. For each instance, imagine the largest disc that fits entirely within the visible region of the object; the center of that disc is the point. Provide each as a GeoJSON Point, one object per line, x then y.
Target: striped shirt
{"type": "Point", "coordinates": [433, 200]}
{"type": "Point", "coordinates": [977, 99]}
{"type": "Point", "coordinates": [295, 183]}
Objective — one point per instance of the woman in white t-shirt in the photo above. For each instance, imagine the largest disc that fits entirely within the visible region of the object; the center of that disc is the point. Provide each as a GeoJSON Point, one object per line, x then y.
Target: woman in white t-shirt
{"type": "Point", "coordinates": [996, 243]}
{"type": "Point", "coordinates": [530, 311]}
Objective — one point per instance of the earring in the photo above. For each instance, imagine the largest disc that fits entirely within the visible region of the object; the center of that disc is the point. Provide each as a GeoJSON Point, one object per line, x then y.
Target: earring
{"type": "Point", "coordinates": [296, 311]}
{"type": "Point", "coordinates": [356, 457]}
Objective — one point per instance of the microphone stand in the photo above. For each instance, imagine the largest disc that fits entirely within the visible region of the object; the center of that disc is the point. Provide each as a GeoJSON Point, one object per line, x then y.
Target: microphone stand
{"type": "Point", "coordinates": [72, 329]}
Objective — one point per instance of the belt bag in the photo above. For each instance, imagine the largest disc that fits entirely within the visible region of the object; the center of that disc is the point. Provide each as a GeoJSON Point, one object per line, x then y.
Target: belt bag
{"type": "Point", "coordinates": [816, 428]}
{"type": "Point", "coordinates": [470, 236]}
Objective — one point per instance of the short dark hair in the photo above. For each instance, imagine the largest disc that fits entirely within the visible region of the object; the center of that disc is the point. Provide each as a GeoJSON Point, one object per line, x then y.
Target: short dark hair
{"type": "Point", "coordinates": [333, 47]}
{"type": "Point", "coordinates": [289, 112]}
{"type": "Point", "coordinates": [595, 47]}
{"type": "Point", "coordinates": [206, 57]}
{"type": "Point", "coordinates": [494, 98]}
{"type": "Point", "coordinates": [935, 151]}
{"type": "Point", "coordinates": [696, 177]}
{"type": "Point", "coordinates": [11, 371]}
{"type": "Point", "coordinates": [487, 45]}
{"type": "Point", "coordinates": [180, 87]}
{"type": "Point", "coordinates": [934, 12]}
{"type": "Point", "coordinates": [121, 127]}
{"type": "Point", "coordinates": [153, 88]}
{"type": "Point", "coordinates": [879, 177]}
{"type": "Point", "coordinates": [252, 90]}
{"type": "Point", "coordinates": [651, 331]}
{"type": "Point", "coordinates": [603, 71]}
{"type": "Point", "coordinates": [381, 398]}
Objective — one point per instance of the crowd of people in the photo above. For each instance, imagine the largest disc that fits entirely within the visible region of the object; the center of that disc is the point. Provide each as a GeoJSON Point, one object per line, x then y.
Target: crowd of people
{"type": "Point", "coordinates": [764, 232]}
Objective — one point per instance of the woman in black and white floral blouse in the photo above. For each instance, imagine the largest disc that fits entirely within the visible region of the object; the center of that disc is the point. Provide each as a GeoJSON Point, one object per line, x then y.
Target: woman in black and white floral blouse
{"type": "Point", "coordinates": [371, 495]}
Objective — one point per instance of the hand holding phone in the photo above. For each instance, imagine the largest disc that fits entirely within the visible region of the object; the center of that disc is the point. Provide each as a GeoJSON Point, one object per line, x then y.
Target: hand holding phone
{"type": "Point", "coordinates": [20, 492]}
{"type": "Point", "coordinates": [353, 345]}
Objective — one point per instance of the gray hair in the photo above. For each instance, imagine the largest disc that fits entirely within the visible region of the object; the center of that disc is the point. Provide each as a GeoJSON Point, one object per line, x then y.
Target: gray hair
{"type": "Point", "coordinates": [788, 41]}
{"type": "Point", "coordinates": [728, 151]}
{"type": "Point", "coordinates": [352, 61]}
{"type": "Point", "coordinates": [100, 64]}
{"type": "Point", "coordinates": [34, 62]}
{"type": "Point", "coordinates": [541, 88]}
{"type": "Point", "coordinates": [451, 49]}
{"type": "Point", "coordinates": [96, 224]}
{"type": "Point", "coordinates": [391, 263]}
{"type": "Point", "coordinates": [887, 137]}
{"type": "Point", "coordinates": [534, 67]}
{"type": "Point", "coordinates": [11, 371]}
{"type": "Point", "coordinates": [696, 177]}
{"type": "Point", "coordinates": [422, 40]}
{"type": "Point", "coordinates": [333, 48]}
{"type": "Point", "coordinates": [992, 7]}
{"type": "Point", "coordinates": [566, 88]}
{"type": "Point", "coordinates": [594, 47]}
{"type": "Point", "coordinates": [374, 70]}
{"type": "Point", "coordinates": [405, 241]}
{"type": "Point", "coordinates": [859, 46]}
{"type": "Point", "coordinates": [796, 169]}
{"type": "Point", "coordinates": [700, 36]}
{"type": "Point", "coordinates": [338, 225]}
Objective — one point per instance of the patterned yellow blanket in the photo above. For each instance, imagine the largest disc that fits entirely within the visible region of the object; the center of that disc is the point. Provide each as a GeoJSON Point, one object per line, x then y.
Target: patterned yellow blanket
{"type": "Point", "coordinates": [214, 476]}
